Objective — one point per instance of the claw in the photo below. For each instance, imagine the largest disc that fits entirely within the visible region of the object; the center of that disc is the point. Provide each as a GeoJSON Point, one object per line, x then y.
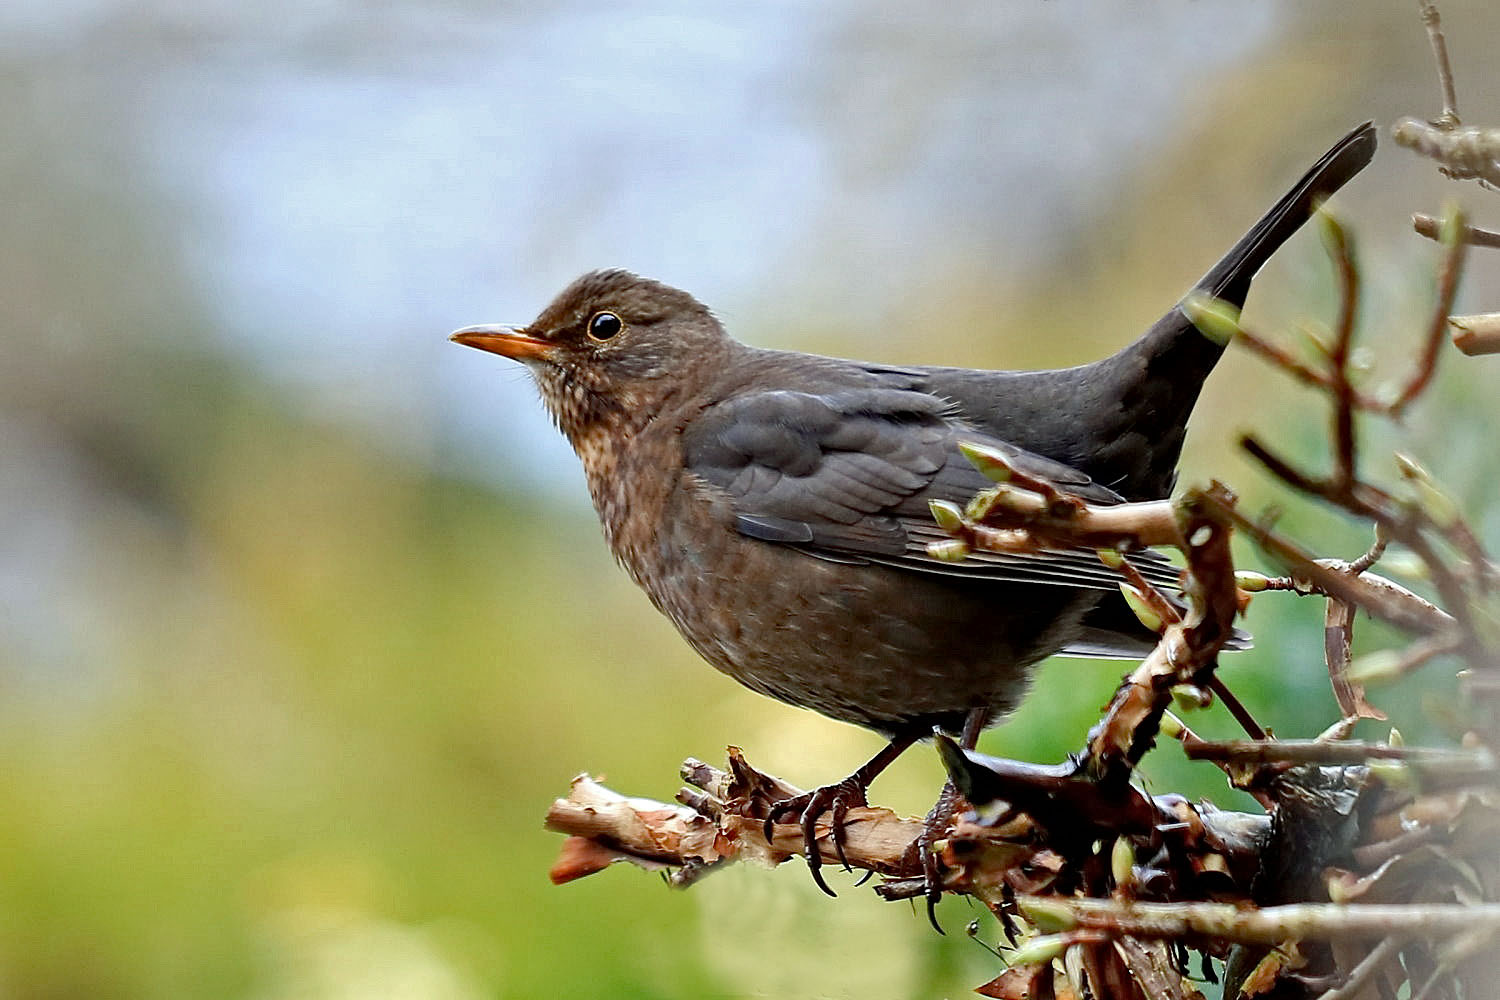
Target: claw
{"type": "Point", "coordinates": [810, 844]}
{"type": "Point", "coordinates": [933, 829]}
{"type": "Point", "coordinates": [934, 884]}
{"type": "Point", "coordinates": [808, 808]}
{"type": "Point", "coordinates": [840, 813]}
{"type": "Point", "coordinates": [836, 798]}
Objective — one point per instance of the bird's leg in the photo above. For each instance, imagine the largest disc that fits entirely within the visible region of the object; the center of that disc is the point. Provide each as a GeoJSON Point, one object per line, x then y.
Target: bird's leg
{"type": "Point", "coordinates": [837, 797]}
{"type": "Point", "coordinates": [936, 824]}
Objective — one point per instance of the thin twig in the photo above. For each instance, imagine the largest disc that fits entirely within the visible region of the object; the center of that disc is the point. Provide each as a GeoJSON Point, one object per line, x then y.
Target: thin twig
{"type": "Point", "coordinates": [1359, 976]}
{"type": "Point", "coordinates": [1389, 603]}
{"type": "Point", "coordinates": [1270, 925]}
{"type": "Point", "coordinates": [1431, 227]}
{"type": "Point", "coordinates": [1433, 22]}
{"type": "Point", "coordinates": [1301, 372]}
{"type": "Point", "coordinates": [1403, 523]}
{"type": "Point", "coordinates": [1187, 651]}
{"type": "Point", "coordinates": [1237, 709]}
{"type": "Point", "coordinates": [1372, 554]}
{"type": "Point", "coordinates": [1476, 335]}
{"type": "Point", "coordinates": [1341, 388]}
{"type": "Point", "coordinates": [1338, 635]}
{"type": "Point", "coordinates": [1437, 328]}
{"type": "Point", "coordinates": [1463, 154]}
{"type": "Point", "coordinates": [1416, 655]}
{"type": "Point", "coordinates": [1337, 753]}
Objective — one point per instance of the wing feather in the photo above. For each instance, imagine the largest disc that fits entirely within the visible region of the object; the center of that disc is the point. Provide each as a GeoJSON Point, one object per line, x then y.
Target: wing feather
{"type": "Point", "coordinates": [848, 475]}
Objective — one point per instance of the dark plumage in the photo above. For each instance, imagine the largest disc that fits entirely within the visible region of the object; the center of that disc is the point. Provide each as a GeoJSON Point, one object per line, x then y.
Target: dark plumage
{"type": "Point", "coordinates": [775, 505]}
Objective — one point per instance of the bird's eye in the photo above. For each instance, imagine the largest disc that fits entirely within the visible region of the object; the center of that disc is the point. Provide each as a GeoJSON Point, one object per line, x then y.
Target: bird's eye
{"type": "Point", "coordinates": [604, 325]}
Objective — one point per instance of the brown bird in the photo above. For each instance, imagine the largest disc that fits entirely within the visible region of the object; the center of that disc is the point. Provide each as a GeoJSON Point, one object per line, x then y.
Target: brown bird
{"type": "Point", "coordinates": [774, 505]}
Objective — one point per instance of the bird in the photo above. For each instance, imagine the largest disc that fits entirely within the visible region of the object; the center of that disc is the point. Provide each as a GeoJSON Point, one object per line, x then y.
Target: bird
{"type": "Point", "coordinates": [775, 505]}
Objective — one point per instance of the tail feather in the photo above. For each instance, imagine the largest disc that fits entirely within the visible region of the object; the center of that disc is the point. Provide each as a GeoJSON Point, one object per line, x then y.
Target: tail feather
{"type": "Point", "coordinates": [1229, 279]}
{"type": "Point", "coordinates": [1149, 388]}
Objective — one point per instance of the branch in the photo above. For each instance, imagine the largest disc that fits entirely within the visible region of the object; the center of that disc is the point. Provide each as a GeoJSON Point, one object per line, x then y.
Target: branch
{"type": "Point", "coordinates": [723, 824]}
{"type": "Point", "coordinates": [1476, 335]}
{"type": "Point", "coordinates": [1434, 25]}
{"type": "Point", "coordinates": [1431, 227]}
{"type": "Point", "coordinates": [1271, 925]}
{"type": "Point", "coordinates": [1470, 762]}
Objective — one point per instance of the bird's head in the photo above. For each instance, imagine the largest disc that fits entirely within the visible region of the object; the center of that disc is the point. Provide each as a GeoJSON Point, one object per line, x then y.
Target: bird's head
{"type": "Point", "coordinates": [610, 350]}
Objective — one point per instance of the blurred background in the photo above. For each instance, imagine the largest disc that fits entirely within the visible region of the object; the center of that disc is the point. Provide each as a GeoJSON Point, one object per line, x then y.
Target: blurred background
{"type": "Point", "coordinates": [304, 615]}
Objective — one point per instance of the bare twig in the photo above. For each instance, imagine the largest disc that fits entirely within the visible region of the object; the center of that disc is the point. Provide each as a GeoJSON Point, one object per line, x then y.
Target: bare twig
{"type": "Point", "coordinates": [1269, 925]}
{"type": "Point", "coordinates": [1382, 598]}
{"type": "Point", "coordinates": [1475, 335]}
{"type": "Point", "coordinates": [1461, 153]}
{"type": "Point", "coordinates": [1359, 977]}
{"type": "Point", "coordinates": [1392, 664]}
{"type": "Point", "coordinates": [1338, 753]}
{"type": "Point", "coordinates": [1237, 709]}
{"type": "Point", "coordinates": [1020, 519]}
{"type": "Point", "coordinates": [1299, 371]}
{"type": "Point", "coordinates": [1341, 389]}
{"type": "Point", "coordinates": [654, 835]}
{"type": "Point", "coordinates": [1404, 523]}
{"type": "Point", "coordinates": [1434, 25]}
{"type": "Point", "coordinates": [1338, 634]}
{"type": "Point", "coordinates": [1447, 286]}
{"type": "Point", "coordinates": [1431, 227]}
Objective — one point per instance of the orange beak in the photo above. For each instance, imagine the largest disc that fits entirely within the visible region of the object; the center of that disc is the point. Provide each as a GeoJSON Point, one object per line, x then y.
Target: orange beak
{"type": "Point", "coordinates": [508, 341]}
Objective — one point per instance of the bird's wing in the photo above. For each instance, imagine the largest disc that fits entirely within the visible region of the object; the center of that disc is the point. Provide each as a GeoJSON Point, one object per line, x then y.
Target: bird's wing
{"type": "Point", "coordinates": [848, 475]}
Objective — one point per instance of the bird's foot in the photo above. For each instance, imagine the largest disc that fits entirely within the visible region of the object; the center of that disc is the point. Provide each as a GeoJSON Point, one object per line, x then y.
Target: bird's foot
{"type": "Point", "coordinates": [935, 829]}
{"type": "Point", "coordinates": [808, 808]}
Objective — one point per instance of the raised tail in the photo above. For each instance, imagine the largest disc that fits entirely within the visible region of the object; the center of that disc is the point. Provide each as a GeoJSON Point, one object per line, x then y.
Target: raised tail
{"type": "Point", "coordinates": [1144, 394]}
{"type": "Point", "coordinates": [1229, 279]}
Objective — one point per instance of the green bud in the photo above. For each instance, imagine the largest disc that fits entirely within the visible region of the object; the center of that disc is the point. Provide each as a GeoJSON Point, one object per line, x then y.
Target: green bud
{"type": "Point", "coordinates": [1251, 582]}
{"type": "Point", "coordinates": [1379, 667]}
{"type": "Point", "coordinates": [946, 514]}
{"type": "Point", "coordinates": [1394, 775]}
{"type": "Point", "coordinates": [1142, 608]}
{"type": "Point", "coordinates": [1438, 505]}
{"type": "Point", "coordinates": [948, 550]}
{"type": "Point", "coordinates": [1451, 230]}
{"type": "Point", "coordinates": [1332, 231]}
{"type": "Point", "coordinates": [1039, 950]}
{"type": "Point", "coordinates": [982, 502]}
{"type": "Point", "coordinates": [1395, 739]}
{"type": "Point", "coordinates": [1410, 468]}
{"type": "Point", "coordinates": [1122, 862]}
{"type": "Point", "coordinates": [987, 460]}
{"type": "Point", "coordinates": [1407, 131]}
{"type": "Point", "coordinates": [1048, 916]}
{"type": "Point", "coordinates": [1112, 558]}
{"type": "Point", "coordinates": [1190, 697]}
{"type": "Point", "coordinates": [1216, 319]}
{"type": "Point", "coordinates": [1404, 562]}
{"type": "Point", "coordinates": [1171, 726]}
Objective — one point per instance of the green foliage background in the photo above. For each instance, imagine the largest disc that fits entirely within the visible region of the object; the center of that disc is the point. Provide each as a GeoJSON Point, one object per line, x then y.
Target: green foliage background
{"type": "Point", "coordinates": [283, 708]}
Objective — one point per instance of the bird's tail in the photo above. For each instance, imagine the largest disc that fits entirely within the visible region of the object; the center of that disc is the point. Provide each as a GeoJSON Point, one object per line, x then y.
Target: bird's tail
{"type": "Point", "coordinates": [1229, 279]}
{"type": "Point", "coordinates": [1155, 381]}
